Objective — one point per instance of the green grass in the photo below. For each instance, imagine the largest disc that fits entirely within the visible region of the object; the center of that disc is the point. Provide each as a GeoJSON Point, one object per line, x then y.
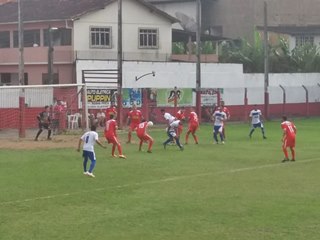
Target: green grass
{"type": "Point", "coordinates": [239, 190]}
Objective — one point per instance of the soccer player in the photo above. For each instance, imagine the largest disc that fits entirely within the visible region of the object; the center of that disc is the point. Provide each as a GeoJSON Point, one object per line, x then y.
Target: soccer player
{"type": "Point", "coordinates": [167, 116]}
{"type": "Point", "coordinates": [112, 110]}
{"type": "Point", "coordinates": [180, 115]}
{"type": "Point", "coordinates": [44, 122]}
{"type": "Point", "coordinates": [133, 120]}
{"type": "Point", "coordinates": [255, 116]}
{"type": "Point", "coordinates": [288, 139]}
{"type": "Point", "coordinates": [228, 116]}
{"type": "Point", "coordinates": [218, 117]}
{"type": "Point", "coordinates": [110, 133]}
{"type": "Point", "coordinates": [193, 126]}
{"type": "Point", "coordinates": [144, 136]}
{"type": "Point", "coordinates": [169, 119]}
{"type": "Point", "coordinates": [89, 139]}
{"type": "Point", "coordinates": [172, 134]}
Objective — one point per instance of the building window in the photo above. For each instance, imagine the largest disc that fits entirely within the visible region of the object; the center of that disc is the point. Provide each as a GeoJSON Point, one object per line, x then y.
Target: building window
{"type": "Point", "coordinates": [100, 37]}
{"type": "Point", "coordinates": [45, 78]}
{"type": "Point", "coordinates": [304, 40]}
{"type": "Point", "coordinates": [12, 79]}
{"type": "Point", "coordinates": [30, 38]}
{"type": "Point", "coordinates": [5, 39]}
{"type": "Point", "coordinates": [60, 37]}
{"type": "Point", "coordinates": [148, 38]}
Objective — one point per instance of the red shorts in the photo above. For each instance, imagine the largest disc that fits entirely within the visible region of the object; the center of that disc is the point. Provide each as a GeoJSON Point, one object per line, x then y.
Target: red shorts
{"type": "Point", "coordinates": [133, 126]}
{"type": "Point", "coordinates": [145, 137]}
{"type": "Point", "coordinates": [111, 139]}
{"type": "Point", "coordinates": [289, 142]}
{"type": "Point", "coordinates": [193, 127]}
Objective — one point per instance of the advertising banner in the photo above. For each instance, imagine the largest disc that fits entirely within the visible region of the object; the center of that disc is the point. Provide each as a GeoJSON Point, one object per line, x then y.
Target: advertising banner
{"type": "Point", "coordinates": [102, 97]}
{"type": "Point", "coordinates": [131, 96]}
{"type": "Point", "coordinates": [167, 97]}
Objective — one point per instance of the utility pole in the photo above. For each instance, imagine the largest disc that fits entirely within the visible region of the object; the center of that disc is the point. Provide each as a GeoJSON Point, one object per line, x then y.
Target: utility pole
{"type": "Point", "coordinates": [198, 65]}
{"type": "Point", "coordinates": [22, 129]}
{"type": "Point", "coordinates": [266, 63]}
{"type": "Point", "coordinates": [120, 110]}
{"type": "Point", "coordinates": [50, 56]}
{"type": "Point", "coordinates": [21, 46]}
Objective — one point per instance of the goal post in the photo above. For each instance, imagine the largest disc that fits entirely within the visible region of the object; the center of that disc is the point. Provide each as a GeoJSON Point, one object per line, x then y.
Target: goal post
{"type": "Point", "coordinates": [20, 105]}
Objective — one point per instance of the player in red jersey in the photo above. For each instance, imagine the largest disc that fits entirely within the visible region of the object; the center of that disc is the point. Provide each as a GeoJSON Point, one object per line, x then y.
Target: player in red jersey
{"type": "Point", "coordinates": [288, 138]}
{"type": "Point", "coordinates": [112, 110]}
{"type": "Point", "coordinates": [227, 112]}
{"type": "Point", "coordinates": [110, 133]}
{"type": "Point", "coordinates": [143, 135]}
{"type": "Point", "coordinates": [133, 120]}
{"type": "Point", "coordinates": [180, 115]}
{"type": "Point", "coordinates": [193, 126]}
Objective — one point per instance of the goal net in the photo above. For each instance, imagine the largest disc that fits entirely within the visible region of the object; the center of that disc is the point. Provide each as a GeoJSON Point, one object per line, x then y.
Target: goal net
{"type": "Point", "coordinates": [20, 106]}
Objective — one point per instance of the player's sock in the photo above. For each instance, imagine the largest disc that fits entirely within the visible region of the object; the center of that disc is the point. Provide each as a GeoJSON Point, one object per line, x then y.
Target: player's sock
{"type": "Point", "coordinates": [195, 138]}
{"type": "Point", "coordinates": [85, 160]}
{"type": "Point", "coordinates": [187, 137]}
{"type": "Point", "coordinates": [150, 145]}
{"type": "Point", "coordinates": [38, 134]}
{"type": "Point", "coordinates": [129, 137]}
{"type": "Point", "coordinates": [119, 149]}
{"type": "Point", "coordinates": [166, 142]}
{"type": "Point", "coordinates": [221, 137]}
{"type": "Point", "coordinates": [92, 165]}
{"type": "Point", "coordinates": [113, 149]}
{"type": "Point", "coordinates": [178, 142]}
{"type": "Point", "coordinates": [49, 134]}
{"type": "Point", "coordinates": [293, 153]}
{"type": "Point", "coordinates": [285, 151]}
{"type": "Point", "coordinates": [215, 137]}
{"type": "Point", "coordinates": [250, 134]}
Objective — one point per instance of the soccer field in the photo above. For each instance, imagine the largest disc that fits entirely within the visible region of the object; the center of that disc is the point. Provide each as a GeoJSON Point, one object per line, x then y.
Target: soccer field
{"type": "Point", "coordinates": [239, 190]}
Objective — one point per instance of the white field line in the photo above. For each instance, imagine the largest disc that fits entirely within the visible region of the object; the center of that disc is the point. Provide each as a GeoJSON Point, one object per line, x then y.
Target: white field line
{"type": "Point", "coordinates": [169, 179]}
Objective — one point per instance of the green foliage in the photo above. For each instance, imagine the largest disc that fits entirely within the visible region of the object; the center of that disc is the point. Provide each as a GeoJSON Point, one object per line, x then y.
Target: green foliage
{"type": "Point", "coordinates": [305, 58]}
{"type": "Point", "coordinates": [178, 48]}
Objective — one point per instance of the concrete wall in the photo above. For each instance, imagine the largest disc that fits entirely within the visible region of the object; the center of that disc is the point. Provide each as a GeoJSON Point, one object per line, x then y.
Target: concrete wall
{"type": "Point", "coordinates": [229, 77]}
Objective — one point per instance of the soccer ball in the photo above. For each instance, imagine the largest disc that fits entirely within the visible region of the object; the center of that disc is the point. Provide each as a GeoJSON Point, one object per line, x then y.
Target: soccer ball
{"type": "Point", "coordinates": [150, 124]}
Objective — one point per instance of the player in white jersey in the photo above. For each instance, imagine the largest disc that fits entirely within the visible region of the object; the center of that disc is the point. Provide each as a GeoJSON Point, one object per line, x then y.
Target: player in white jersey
{"type": "Point", "coordinates": [168, 117]}
{"type": "Point", "coordinates": [89, 139]}
{"type": "Point", "coordinates": [218, 117]}
{"type": "Point", "coordinates": [256, 116]}
{"type": "Point", "coordinates": [172, 134]}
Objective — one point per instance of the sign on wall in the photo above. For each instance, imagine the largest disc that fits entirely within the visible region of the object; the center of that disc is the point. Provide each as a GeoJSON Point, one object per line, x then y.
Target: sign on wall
{"type": "Point", "coordinates": [167, 97]}
{"type": "Point", "coordinates": [102, 97]}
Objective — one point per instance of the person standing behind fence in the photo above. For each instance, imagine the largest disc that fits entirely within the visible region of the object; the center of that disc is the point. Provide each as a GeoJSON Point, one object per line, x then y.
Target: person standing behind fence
{"type": "Point", "coordinates": [288, 139]}
{"type": "Point", "coordinates": [58, 109]}
{"type": "Point", "coordinates": [44, 122]}
{"type": "Point", "coordinates": [101, 118]}
{"type": "Point", "coordinates": [255, 116]}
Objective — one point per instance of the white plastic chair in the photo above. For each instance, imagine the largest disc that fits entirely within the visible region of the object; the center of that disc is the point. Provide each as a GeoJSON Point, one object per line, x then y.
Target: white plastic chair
{"type": "Point", "coordinates": [73, 121]}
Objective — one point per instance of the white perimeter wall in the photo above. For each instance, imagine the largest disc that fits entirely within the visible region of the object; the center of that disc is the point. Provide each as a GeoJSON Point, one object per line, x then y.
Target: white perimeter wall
{"type": "Point", "coordinates": [229, 77]}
